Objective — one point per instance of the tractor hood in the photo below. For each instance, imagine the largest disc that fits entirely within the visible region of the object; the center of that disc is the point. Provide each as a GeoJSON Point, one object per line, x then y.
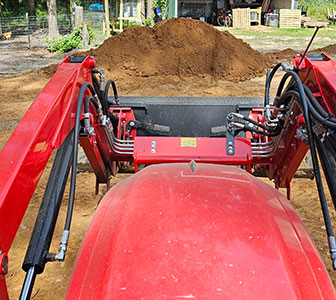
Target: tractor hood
{"type": "Point", "coordinates": [197, 231]}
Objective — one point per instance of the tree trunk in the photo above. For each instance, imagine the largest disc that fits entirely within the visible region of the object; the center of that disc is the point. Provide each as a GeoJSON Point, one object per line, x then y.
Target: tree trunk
{"type": "Point", "coordinates": [52, 19]}
{"type": "Point", "coordinates": [31, 15]}
{"type": "Point", "coordinates": [31, 8]}
{"type": "Point", "coordinates": [0, 18]}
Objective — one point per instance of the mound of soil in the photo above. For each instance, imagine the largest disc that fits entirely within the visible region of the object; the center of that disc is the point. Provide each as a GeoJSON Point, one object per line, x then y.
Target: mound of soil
{"type": "Point", "coordinates": [180, 47]}
{"type": "Point", "coordinates": [331, 49]}
{"type": "Point", "coordinates": [286, 54]}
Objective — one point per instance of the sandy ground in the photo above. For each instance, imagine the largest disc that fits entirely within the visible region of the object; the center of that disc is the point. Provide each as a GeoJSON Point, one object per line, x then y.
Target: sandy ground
{"type": "Point", "coordinates": [21, 91]}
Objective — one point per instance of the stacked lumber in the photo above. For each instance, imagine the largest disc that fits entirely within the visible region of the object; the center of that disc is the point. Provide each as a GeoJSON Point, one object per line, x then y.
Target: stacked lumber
{"type": "Point", "coordinates": [244, 17]}
{"type": "Point", "coordinates": [241, 17]}
{"type": "Point", "coordinates": [290, 18]}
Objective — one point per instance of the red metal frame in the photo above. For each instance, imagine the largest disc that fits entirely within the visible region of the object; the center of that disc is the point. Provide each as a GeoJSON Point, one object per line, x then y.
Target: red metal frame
{"type": "Point", "coordinates": [51, 117]}
{"type": "Point", "coordinates": [42, 129]}
{"type": "Point", "coordinates": [155, 150]}
{"type": "Point", "coordinates": [320, 77]}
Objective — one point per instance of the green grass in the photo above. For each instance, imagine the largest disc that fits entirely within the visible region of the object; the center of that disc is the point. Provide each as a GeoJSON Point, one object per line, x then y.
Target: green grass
{"type": "Point", "coordinates": [317, 9]}
{"type": "Point", "coordinates": [283, 32]}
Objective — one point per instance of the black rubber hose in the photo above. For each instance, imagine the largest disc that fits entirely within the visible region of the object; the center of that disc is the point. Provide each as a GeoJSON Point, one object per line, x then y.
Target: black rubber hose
{"type": "Point", "coordinates": [270, 78]}
{"type": "Point", "coordinates": [330, 146]}
{"type": "Point", "coordinates": [115, 92]}
{"type": "Point", "coordinates": [83, 88]}
{"type": "Point", "coordinates": [311, 108]}
{"type": "Point", "coordinates": [259, 124]}
{"type": "Point", "coordinates": [247, 128]}
{"type": "Point", "coordinates": [287, 96]}
{"type": "Point", "coordinates": [266, 100]}
{"type": "Point", "coordinates": [329, 169]}
{"type": "Point", "coordinates": [100, 94]}
{"type": "Point", "coordinates": [318, 106]}
{"type": "Point", "coordinates": [329, 166]}
{"type": "Point", "coordinates": [87, 101]}
{"type": "Point", "coordinates": [302, 100]}
{"type": "Point", "coordinates": [316, 168]}
{"type": "Point", "coordinates": [97, 87]}
{"type": "Point", "coordinates": [332, 140]}
{"type": "Point", "coordinates": [282, 84]}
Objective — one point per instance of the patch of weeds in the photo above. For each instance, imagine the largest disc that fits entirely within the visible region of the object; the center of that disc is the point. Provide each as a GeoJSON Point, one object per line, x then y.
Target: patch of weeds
{"type": "Point", "coordinates": [69, 43]}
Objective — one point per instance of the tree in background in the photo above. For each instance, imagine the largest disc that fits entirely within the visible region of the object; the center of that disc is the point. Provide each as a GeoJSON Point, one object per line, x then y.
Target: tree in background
{"type": "Point", "coordinates": [32, 14]}
{"type": "Point", "coordinates": [52, 19]}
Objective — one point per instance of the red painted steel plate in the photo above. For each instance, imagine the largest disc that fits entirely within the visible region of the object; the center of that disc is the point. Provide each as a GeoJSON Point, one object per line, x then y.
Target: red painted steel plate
{"type": "Point", "coordinates": [217, 233]}
{"type": "Point", "coordinates": [151, 150]}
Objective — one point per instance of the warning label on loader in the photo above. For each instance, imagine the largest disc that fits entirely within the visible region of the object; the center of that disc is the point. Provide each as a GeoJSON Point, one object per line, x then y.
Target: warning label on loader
{"type": "Point", "coordinates": [188, 142]}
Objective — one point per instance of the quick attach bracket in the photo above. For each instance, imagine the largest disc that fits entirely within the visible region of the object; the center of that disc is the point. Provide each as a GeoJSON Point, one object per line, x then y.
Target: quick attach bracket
{"type": "Point", "coordinates": [230, 139]}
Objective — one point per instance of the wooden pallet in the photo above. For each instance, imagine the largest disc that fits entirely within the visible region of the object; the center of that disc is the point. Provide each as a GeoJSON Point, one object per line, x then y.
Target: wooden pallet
{"type": "Point", "coordinates": [241, 17]}
{"type": "Point", "coordinates": [290, 18]}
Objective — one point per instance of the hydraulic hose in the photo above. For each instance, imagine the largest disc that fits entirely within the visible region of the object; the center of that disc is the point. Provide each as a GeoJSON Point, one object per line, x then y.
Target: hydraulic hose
{"type": "Point", "coordinates": [305, 108]}
{"type": "Point", "coordinates": [66, 232]}
{"type": "Point", "coordinates": [270, 134]}
{"type": "Point", "coordinates": [332, 140]}
{"type": "Point", "coordinates": [96, 86]}
{"type": "Point", "coordinates": [330, 147]}
{"type": "Point", "coordinates": [317, 106]}
{"type": "Point", "coordinates": [115, 92]}
{"type": "Point", "coordinates": [260, 124]}
{"type": "Point", "coordinates": [329, 167]}
{"type": "Point", "coordinates": [75, 154]}
{"type": "Point", "coordinates": [87, 101]}
{"type": "Point", "coordinates": [269, 80]}
{"type": "Point", "coordinates": [311, 108]}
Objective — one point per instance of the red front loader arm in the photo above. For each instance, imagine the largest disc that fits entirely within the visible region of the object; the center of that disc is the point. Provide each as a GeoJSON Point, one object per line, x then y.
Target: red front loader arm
{"type": "Point", "coordinates": [42, 129]}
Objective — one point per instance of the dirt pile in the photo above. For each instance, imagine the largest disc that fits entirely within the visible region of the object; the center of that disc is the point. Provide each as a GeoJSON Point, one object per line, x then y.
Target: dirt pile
{"type": "Point", "coordinates": [331, 49]}
{"type": "Point", "coordinates": [180, 47]}
{"type": "Point", "coordinates": [286, 54]}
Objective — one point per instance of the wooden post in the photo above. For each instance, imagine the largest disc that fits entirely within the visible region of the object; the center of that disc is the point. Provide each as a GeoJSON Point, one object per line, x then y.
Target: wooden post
{"type": "Point", "coordinates": [121, 15]}
{"type": "Point", "coordinates": [143, 11]}
{"type": "Point", "coordinates": [150, 11]}
{"type": "Point", "coordinates": [139, 17]}
{"type": "Point", "coordinates": [107, 18]}
{"type": "Point", "coordinates": [79, 16]}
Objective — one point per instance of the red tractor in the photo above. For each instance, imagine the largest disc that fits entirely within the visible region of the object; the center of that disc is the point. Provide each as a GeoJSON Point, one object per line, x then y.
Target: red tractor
{"type": "Point", "coordinates": [192, 222]}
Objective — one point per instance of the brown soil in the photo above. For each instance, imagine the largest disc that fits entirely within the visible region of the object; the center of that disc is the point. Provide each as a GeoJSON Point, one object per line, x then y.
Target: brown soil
{"type": "Point", "coordinates": [143, 63]}
{"type": "Point", "coordinates": [331, 49]}
{"type": "Point", "coordinates": [179, 47]}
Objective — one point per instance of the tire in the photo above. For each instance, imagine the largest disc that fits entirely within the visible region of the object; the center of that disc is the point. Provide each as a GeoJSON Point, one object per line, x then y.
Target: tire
{"type": "Point", "coordinates": [220, 21]}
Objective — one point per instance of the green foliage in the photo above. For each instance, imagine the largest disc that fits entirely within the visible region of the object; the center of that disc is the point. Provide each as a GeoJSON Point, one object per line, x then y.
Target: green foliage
{"type": "Point", "coordinates": [317, 9]}
{"type": "Point", "coordinates": [69, 43]}
{"type": "Point", "coordinates": [148, 22]}
{"type": "Point", "coordinates": [126, 23]}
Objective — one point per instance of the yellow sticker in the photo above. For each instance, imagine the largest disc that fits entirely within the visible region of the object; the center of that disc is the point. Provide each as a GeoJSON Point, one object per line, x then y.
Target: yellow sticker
{"type": "Point", "coordinates": [188, 142]}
